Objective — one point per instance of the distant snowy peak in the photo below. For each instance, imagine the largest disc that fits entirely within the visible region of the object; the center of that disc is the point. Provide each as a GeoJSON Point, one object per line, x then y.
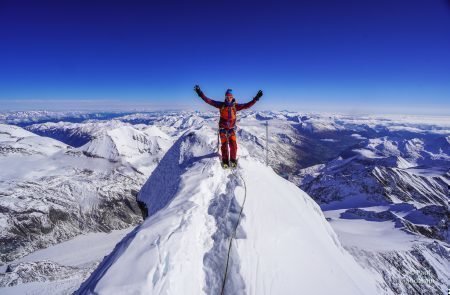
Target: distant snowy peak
{"type": "Point", "coordinates": [323, 122]}
{"type": "Point", "coordinates": [321, 125]}
{"type": "Point", "coordinates": [24, 118]}
{"type": "Point", "coordinates": [51, 192]}
{"type": "Point", "coordinates": [138, 145]}
{"type": "Point", "coordinates": [407, 152]}
{"type": "Point", "coordinates": [180, 121]}
{"type": "Point", "coordinates": [31, 116]}
{"type": "Point", "coordinates": [73, 134]}
{"type": "Point", "coordinates": [88, 127]}
{"type": "Point", "coordinates": [102, 146]}
{"type": "Point", "coordinates": [11, 131]}
{"type": "Point", "coordinates": [153, 131]}
{"type": "Point", "coordinates": [15, 140]}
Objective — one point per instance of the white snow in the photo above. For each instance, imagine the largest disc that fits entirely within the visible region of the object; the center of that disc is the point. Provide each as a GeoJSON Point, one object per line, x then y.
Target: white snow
{"type": "Point", "coordinates": [58, 287]}
{"type": "Point", "coordinates": [139, 145]}
{"type": "Point", "coordinates": [367, 153]}
{"type": "Point", "coordinates": [284, 244]}
{"type": "Point", "coordinates": [81, 251]}
{"type": "Point", "coordinates": [17, 140]}
{"type": "Point", "coordinates": [14, 131]}
{"type": "Point", "coordinates": [286, 229]}
{"type": "Point", "coordinates": [369, 235]}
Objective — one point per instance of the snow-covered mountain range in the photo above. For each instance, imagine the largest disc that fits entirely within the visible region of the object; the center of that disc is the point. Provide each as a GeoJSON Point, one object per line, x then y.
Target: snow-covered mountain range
{"type": "Point", "coordinates": [381, 183]}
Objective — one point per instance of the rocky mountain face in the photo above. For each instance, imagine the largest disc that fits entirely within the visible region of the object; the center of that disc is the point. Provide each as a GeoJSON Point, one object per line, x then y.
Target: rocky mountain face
{"type": "Point", "coordinates": [51, 192]}
{"type": "Point", "coordinates": [399, 176]}
{"type": "Point", "coordinates": [41, 271]}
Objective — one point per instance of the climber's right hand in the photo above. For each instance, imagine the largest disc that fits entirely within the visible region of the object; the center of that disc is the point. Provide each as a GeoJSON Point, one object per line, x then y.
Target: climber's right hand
{"type": "Point", "coordinates": [258, 95]}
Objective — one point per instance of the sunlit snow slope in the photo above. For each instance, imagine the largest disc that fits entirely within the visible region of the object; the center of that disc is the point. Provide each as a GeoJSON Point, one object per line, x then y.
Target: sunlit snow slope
{"type": "Point", "coordinates": [283, 245]}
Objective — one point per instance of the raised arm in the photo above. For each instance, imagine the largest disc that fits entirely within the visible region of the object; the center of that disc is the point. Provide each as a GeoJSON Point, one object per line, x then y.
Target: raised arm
{"type": "Point", "coordinates": [216, 104]}
{"type": "Point", "coordinates": [243, 106]}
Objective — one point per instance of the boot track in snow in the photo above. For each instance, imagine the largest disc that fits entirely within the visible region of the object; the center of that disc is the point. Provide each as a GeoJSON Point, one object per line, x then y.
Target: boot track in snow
{"type": "Point", "coordinates": [234, 233]}
{"type": "Point", "coordinates": [221, 266]}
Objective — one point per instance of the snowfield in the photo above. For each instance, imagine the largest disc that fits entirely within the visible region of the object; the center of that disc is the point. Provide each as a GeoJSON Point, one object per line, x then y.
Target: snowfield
{"type": "Point", "coordinates": [67, 265]}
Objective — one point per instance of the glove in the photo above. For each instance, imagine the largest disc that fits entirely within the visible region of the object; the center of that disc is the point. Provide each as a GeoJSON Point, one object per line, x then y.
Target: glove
{"type": "Point", "coordinates": [258, 95]}
{"type": "Point", "coordinates": [198, 90]}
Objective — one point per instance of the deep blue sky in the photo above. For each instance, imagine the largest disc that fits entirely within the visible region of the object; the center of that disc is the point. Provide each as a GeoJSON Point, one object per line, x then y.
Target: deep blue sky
{"type": "Point", "coordinates": [382, 56]}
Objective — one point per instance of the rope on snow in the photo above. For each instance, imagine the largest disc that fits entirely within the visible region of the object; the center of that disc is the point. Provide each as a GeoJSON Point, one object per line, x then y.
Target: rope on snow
{"type": "Point", "coordinates": [233, 236]}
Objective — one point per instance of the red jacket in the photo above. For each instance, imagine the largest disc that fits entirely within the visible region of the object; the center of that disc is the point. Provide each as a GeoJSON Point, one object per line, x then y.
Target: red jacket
{"type": "Point", "coordinates": [228, 110]}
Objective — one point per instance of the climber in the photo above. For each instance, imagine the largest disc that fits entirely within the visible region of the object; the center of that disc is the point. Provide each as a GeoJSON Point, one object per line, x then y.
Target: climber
{"type": "Point", "coordinates": [227, 123]}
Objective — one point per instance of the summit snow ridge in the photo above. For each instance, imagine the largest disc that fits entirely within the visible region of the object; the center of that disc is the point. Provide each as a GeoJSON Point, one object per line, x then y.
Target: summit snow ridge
{"type": "Point", "coordinates": [284, 245]}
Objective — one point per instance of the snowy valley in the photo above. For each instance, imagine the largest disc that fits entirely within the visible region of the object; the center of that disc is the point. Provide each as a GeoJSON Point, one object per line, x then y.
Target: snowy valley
{"type": "Point", "coordinates": [349, 204]}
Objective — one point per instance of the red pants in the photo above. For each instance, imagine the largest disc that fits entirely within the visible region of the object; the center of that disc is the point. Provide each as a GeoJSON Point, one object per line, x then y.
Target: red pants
{"type": "Point", "coordinates": [231, 142]}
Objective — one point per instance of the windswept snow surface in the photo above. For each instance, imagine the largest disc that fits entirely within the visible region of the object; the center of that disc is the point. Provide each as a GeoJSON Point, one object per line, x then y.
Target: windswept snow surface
{"type": "Point", "coordinates": [283, 244]}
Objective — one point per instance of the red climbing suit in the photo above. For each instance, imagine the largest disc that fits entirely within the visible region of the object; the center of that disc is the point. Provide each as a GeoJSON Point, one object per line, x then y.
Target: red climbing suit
{"type": "Point", "coordinates": [227, 124]}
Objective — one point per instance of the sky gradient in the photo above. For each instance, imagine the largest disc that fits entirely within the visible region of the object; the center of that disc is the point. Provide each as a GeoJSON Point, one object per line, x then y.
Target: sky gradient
{"type": "Point", "coordinates": [349, 56]}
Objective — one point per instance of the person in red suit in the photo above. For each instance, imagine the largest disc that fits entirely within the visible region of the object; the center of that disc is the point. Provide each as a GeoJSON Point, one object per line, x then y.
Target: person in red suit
{"type": "Point", "coordinates": [227, 122]}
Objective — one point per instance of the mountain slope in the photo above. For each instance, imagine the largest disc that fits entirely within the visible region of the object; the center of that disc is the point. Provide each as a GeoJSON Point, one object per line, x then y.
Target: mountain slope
{"type": "Point", "coordinates": [387, 198]}
{"type": "Point", "coordinates": [283, 244]}
{"type": "Point", "coordinates": [51, 192]}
